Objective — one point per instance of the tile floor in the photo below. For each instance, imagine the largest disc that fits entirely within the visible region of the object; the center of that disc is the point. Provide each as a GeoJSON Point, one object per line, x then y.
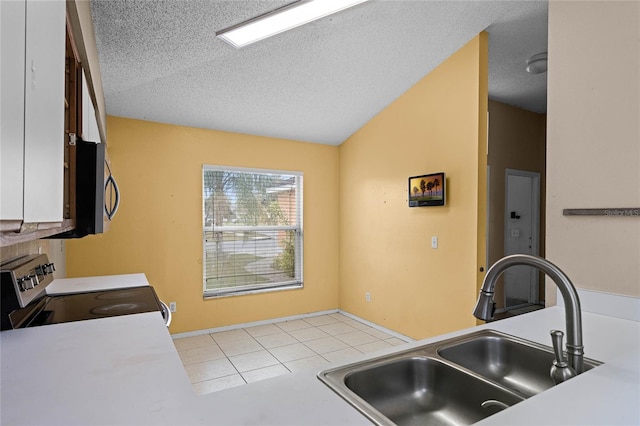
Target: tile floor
{"type": "Point", "coordinates": [226, 359]}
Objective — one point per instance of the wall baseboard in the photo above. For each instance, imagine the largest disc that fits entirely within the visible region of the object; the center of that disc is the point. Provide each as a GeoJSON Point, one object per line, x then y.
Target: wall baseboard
{"type": "Point", "coordinates": [290, 318]}
{"type": "Point", "coordinates": [251, 324]}
{"type": "Point", "coordinates": [376, 326]}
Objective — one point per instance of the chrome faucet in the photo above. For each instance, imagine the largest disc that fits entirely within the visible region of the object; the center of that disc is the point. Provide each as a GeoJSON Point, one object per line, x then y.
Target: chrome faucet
{"type": "Point", "coordinates": [485, 306]}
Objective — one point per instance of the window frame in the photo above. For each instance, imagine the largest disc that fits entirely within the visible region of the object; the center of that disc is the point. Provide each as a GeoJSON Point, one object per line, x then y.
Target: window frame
{"type": "Point", "coordinates": [298, 228]}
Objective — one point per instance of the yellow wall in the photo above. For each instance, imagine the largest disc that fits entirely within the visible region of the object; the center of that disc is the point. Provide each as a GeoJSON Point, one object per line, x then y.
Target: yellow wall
{"type": "Point", "coordinates": [385, 246]}
{"type": "Point", "coordinates": [158, 228]}
{"type": "Point", "coordinates": [593, 143]}
{"type": "Point", "coordinates": [355, 208]}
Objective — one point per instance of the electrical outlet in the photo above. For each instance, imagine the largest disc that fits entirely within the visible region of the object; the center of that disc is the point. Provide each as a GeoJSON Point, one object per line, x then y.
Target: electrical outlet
{"type": "Point", "coordinates": [367, 297]}
{"type": "Point", "coordinates": [172, 306]}
{"type": "Point", "coordinates": [434, 242]}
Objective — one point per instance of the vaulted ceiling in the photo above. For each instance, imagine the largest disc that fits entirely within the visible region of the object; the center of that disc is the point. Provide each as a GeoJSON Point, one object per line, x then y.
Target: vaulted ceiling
{"type": "Point", "coordinates": [160, 61]}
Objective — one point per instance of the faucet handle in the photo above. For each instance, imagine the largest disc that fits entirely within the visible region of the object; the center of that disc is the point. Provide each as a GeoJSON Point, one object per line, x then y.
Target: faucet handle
{"type": "Point", "coordinates": [556, 340]}
{"type": "Point", "coordinates": [560, 370]}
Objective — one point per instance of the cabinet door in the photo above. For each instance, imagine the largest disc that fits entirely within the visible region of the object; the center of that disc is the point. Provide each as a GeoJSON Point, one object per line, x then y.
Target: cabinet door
{"type": "Point", "coordinates": [12, 45]}
{"type": "Point", "coordinates": [44, 111]}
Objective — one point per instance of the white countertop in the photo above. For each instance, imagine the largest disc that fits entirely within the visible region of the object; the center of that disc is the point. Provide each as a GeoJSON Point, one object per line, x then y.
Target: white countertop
{"type": "Point", "coordinates": [125, 370]}
{"type": "Point", "coordinates": [104, 282]}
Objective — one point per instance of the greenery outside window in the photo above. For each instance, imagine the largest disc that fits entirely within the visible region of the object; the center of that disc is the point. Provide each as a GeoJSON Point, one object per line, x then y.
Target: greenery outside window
{"type": "Point", "coordinates": [252, 230]}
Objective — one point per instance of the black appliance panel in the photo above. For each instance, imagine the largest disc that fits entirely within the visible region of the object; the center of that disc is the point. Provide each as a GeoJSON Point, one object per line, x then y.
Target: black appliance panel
{"type": "Point", "coordinates": [92, 305]}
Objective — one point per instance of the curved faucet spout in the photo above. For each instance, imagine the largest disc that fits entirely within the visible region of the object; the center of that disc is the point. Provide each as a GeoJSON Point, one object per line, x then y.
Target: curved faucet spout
{"type": "Point", "coordinates": [484, 306]}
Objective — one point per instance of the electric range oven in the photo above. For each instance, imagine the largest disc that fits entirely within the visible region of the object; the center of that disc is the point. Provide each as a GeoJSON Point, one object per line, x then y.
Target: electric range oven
{"type": "Point", "coordinates": [25, 302]}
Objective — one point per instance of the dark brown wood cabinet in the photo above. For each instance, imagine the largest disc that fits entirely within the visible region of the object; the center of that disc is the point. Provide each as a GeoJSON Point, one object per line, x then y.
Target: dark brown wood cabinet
{"type": "Point", "coordinates": [72, 120]}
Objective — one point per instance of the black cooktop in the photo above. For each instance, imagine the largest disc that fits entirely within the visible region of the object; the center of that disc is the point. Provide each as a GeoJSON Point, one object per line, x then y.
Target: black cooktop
{"type": "Point", "coordinates": [84, 306]}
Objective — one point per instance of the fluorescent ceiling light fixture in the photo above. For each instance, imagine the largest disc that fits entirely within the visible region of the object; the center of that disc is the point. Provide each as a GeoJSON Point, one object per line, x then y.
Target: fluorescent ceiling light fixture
{"type": "Point", "coordinates": [282, 19]}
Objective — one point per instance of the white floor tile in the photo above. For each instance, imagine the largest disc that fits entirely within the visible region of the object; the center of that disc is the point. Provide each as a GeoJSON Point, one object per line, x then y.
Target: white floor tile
{"type": "Point", "coordinates": [356, 338]}
{"type": "Point", "coordinates": [337, 328]}
{"type": "Point", "coordinates": [307, 334]}
{"type": "Point", "coordinates": [353, 323]}
{"type": "Point", "coordinates": [230, 336]}
{"type": "Point", "coordinates": [293, 325]}
{"type": "Point", "coordinates": [239, 347]}
{"type": "Point", "coordinates": [209, 370]}
{"type": "Point", "coordinates": [253, 361]}
{"type": "Point", "coordinates": [373, 346]}
{"type": "Point", "coordinates": [193, 342]}
{"type": "Point", "coordinates": [358, 325]}
{"type": "Point", "coordinates": [314, 362]}
{"type": "Point", "coordinates": [275, 340]}
{"type": "Point", "coordinates": [221, 383]}
{"type": "Point", "coordinates": [265, 373]}
{"type": "Point", "coordinates": [394, 341]}
{"type": "Point", "coordinates": [263, 330]}
{"type": "Point", "coordinates": [202, 354]}
{"type": "Point", "coordinates": [213, 361]}
{"type": "Point", "coordinates": [321, 320]}
{"type": "Point", "coordinates": [292, 352]}
{"type": "Point", "coordinates": [341, 355]}
{"type": "Point", "coordinates": [326, 344]}
{"type": "Point", "coordinates": [377, 333]}
{"type": "Point", "coordinates": [340, 317]}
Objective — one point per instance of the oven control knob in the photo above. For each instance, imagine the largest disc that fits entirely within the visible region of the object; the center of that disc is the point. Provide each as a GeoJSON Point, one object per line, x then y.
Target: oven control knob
{"type": "Point", "coordinates": [21, 283]}
{"type": "Point", "coordinates": [34, 280]}
{"type": "Point", "coordinates": [49, 268]}
{"type": "Point", "coordinates": [27, 282]}
{"type": "Point", "coordinates": [40, 270]}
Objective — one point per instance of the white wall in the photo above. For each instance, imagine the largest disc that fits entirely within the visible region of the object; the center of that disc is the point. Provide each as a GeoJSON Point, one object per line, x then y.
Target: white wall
{"type": "Point", "coordinates": [593, 142]}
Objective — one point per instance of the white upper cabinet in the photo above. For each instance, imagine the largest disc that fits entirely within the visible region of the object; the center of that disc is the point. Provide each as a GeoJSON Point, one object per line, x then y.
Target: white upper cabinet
{"type": "Point", "coordinates": [44, 111]}
{"type": "Point", "coordinates": [32, 115]}
{"type": "Point", "coordinates": [12, 46]}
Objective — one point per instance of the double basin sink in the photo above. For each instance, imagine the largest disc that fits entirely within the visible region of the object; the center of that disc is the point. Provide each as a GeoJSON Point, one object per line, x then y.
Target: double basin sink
{"type": "Point", "coordinates": [458, 381]}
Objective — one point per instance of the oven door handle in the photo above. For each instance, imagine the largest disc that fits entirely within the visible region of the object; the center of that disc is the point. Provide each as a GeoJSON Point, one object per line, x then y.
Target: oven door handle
{"type": "Point", "coordinates": [111, 189]}
{"type": "Point", "coordinates": [166, 313]}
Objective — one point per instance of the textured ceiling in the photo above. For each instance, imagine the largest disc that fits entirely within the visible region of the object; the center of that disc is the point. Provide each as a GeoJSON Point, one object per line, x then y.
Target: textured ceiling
{"type": "Point", "coordinates": [161, 61]}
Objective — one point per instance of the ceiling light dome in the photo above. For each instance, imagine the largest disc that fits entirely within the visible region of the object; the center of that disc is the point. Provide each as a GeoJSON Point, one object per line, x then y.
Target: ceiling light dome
{"type": "Point", "coordinates": [537, 64]}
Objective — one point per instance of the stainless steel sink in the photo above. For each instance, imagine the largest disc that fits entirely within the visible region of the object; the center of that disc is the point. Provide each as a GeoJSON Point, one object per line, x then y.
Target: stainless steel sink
{"type": "Point", "coordinates": [458, 381]}
{"type": "Point", "coordinates": [425, 391]}
{"type": "Point", "coordinates": [517, 364]}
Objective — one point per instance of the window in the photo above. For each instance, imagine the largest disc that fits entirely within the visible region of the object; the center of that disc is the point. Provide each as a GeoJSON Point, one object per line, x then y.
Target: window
{"type": "Point", "coordinates": [252, 231]}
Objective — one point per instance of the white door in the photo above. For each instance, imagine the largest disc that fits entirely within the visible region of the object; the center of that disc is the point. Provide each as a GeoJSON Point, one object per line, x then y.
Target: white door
{"type": "Point", "coordinates": [522, 222]}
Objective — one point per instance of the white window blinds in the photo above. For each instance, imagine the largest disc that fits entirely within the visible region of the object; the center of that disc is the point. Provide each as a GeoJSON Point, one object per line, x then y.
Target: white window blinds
{"type": "Point", "coordinates": [252, 232]}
